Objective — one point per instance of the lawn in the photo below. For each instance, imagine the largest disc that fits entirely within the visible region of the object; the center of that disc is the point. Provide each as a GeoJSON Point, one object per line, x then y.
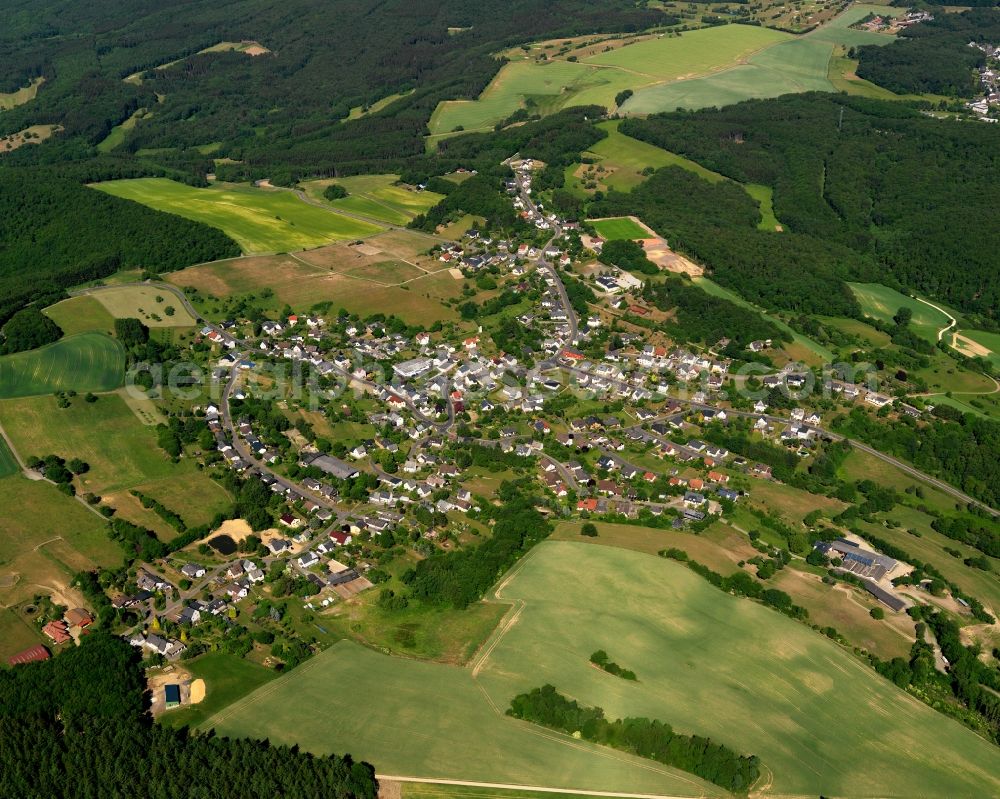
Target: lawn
{"type": "Point", "coordinates": [881, 302]}
{"type": "Point", "coordinates": [146, 303]}
{"type": "Point", "coordinates": [81, 315]}
{"type": "Point", "coordinates": [619, 228]}
{"type": "Point", "coordinates": [84, 362]}
{"type": "Point", "coordinates": [227, 678]}
{"type": "Point", "coordinates": [707, 663]}
{"type": "Point", "coordinates": [121, 451]}
{"type": "Point", "coordinates": [376, 196]}
{"type": "Point", "coordinates": [47, 538]}
{"type": "Point", "coordinates": [259, 220]}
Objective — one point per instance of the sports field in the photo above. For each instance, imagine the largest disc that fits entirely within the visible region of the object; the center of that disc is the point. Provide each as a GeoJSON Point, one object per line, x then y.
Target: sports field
{"type": "Point", "coordinates": [84, 362]}
{"type": "Point", "coordinates": [881, 302]}
{"type": "Point", "coordinates": [376, 196]}
{"type": "Point", "coordinates": [620, 227]}
{"type": "Point", "coordinates": [707, 662]}
{"type": "Point", "coordinates": [259, 220]}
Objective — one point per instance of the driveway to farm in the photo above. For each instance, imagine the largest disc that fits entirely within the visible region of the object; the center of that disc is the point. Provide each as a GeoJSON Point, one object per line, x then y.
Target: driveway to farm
{"type": "Point", "coordinates": [947, 327]}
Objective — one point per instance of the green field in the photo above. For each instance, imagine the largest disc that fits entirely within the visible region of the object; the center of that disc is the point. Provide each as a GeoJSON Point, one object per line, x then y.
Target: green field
{"type": "Point", "coordinates": [624, 159]}
{"type": "Point", "coordinates": [17, 633]}
{"type": "Point", "coordinates": [376, 196]}
{"type": "Point", "coordinates": [227, 678]}
{"type": "Point", "coordinates": [707, 663]}
{"type": "Point", "coordinates": [881, 302]}
{"type": "Point", "coordinates": [764, 195]}
{"type": "Point", "coordinates": [47, 538]}
{"type": "Point", "coordinates": [148, 304]}
{"type": "Point", "coordinates": [791, 65]}
{"type": "Point", "coordinates": [696, 52]}
{"type": "Point", "coordinates": [121, 451]}
{"type": "Point", "coordinates": [619, 228]}
{"type": "Point", "coordinates": [118, 133]}
{"type": "Point", "coordinates": [991, 341]}
{"type": "Point", "coordinates": [8, 463]}
{"type": "Point", "coordinates": [84, 362]}
{"type": "Point", "coordinates": [259, 220]}
{"type": "Point", "coordinates": [544, 88]}
{"type": "Point", "coordinates": [81, 315]}
{"type": "Point", "coordinates": [10, 100]}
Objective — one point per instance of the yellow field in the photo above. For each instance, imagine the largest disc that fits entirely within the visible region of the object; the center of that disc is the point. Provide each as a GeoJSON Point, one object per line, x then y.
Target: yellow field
{"type": "Point", "coordinates": [145, 303]}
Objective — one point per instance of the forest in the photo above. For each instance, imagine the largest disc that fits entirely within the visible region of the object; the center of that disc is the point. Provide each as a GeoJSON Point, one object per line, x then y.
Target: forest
{"type": "Point", "coordinates": [647, 738]}
{"type": "Point", "coordinates": [933, 57]}
{"type": "Point", "coordinates": [905, 200]}
{"type": "Point", "coordinates": [82, 717]}
{"type": "Point", "coordinates": [79, 234]}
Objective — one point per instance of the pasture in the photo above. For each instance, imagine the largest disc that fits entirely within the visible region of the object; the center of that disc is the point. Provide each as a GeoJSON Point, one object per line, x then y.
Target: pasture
{"type": "Point", "coordinates": [376, 196]}
{"type": "Point", "coordinates": [259, 220]}
{"type": "Point", "coordinates": [17, 633]}
{"type": "Point", "coordinates": [84, 362]}
{"type": "Point", "coordinates": [81, 315]}
{"type": "Point", "coordinates": [342, 275]}
{"type": "Point", "coordinates": [121, 451]}
{"type": "Point", "coordinates": [148, 304]}
{"type": "Point", "coordinates": [47, 538]}
{"type": "Point", "coordinates": [881, 302]}
{"type": "Point", "coordinates": [978, 343]}
{"type": "Point", "coordinates": [621, 227]}
{"type": "Point", "coordinates": [707, 663]}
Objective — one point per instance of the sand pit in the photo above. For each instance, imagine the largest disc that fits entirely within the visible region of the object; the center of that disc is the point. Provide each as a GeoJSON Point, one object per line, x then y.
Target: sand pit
{"type": "Point", "coordinates": [197, 691]}
{"type": "Point", "coordinates": [236, 529]}
{"type": "Point", "coordinates": [659, 252]}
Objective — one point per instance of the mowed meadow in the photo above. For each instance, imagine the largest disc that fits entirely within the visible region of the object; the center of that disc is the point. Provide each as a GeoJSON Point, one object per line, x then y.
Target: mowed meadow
{"type": "Point", "coordinates": [259, 220]}
{"type": "Point", "coordinates": [707, 663]}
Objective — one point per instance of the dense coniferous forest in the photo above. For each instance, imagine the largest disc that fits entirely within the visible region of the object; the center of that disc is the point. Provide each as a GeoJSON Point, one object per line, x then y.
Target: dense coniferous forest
{"type": "Point", "coordinates": [933, 57]}
{"type": "Point", "coordinates": [865, 189]}
{"type": "Point", "coordinates": [652, 739]}
{"type": "Point", "coordinates": [77, 724]}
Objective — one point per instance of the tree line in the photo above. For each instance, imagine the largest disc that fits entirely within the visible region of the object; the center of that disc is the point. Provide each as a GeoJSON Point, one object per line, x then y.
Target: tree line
{"type": "Point", "coordinates": [648, 738]}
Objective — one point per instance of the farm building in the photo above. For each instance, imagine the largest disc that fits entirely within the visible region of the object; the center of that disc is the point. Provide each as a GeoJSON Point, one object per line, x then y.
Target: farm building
{"type": "Point", "coordinates": [334, 466]}
{"type": "Point", "coordinates": [32, 654]}
{"type": "Point", "coordinates": [862, 562]}
{"type": "Point", "coordinates": [171, 695]}
{"type": "Point", "coordinates": [887, 598]}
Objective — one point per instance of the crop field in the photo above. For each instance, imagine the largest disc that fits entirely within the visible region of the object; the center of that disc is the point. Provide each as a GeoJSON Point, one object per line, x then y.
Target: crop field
{"type": "Point", "coordinates": [696, 52]}
{"type": "Point", "coordinates": [411, 717]}
{"type": "Point", "coordinates": [544, 87]}
{"type": "Point", "coordinates": [619, 228]}
{"type": "Point", "coordinates": [146, 303]}
{"type": "Point", "coordinates": [881, 302]}
{"type": "Point", "coordinates": [81, 315]}
{"type": "Point", "coordinates": [84, 362]}
{"type": "Point", "coordinates": [121, 451]}
{"type": "Point", "coordinates": [8, 463]}
{"type": "Point", "coordinates": [48, 537]}
{"type": "Point", "coordinates": [259, 220]}
{"type": "Point", "coordinates": [376, 196]}
{"type": "Point", "coordinates": [707, 663]}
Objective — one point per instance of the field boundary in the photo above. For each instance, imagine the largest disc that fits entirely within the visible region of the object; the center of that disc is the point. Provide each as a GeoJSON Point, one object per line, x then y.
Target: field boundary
{"type": "Point", "coordinates": [512, 787]}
